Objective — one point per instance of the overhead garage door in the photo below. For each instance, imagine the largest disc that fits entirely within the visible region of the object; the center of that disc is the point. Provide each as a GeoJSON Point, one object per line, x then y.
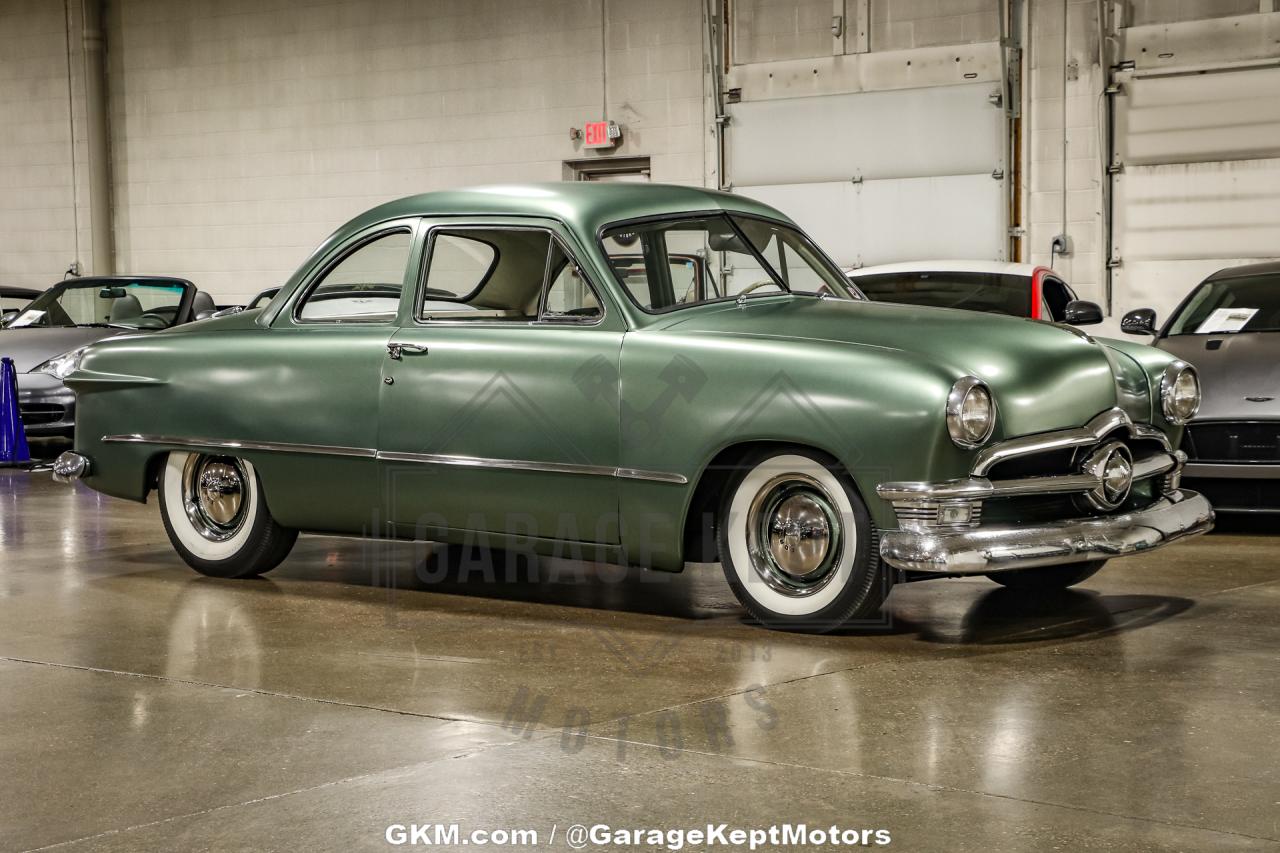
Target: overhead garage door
{"type": "Point", "coordinates": [1198, 186]}
{"type": "Point", "coordinates": [880, 176]}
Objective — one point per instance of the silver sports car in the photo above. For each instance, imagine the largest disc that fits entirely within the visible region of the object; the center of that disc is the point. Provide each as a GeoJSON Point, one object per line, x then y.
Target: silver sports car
{"type": "Point", "coordinates": [1229, 328]}
{"type": "Point", "coordinates": [47, 337]}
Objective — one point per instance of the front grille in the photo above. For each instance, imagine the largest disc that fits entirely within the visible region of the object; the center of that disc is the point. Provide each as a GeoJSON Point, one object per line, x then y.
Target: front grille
{"type": "Point", "coordinates": [1050, 463]}
{"type": "Point", "coordinates": [1233, 441]}
{"type": "Point", "coordinates": [35, 414]}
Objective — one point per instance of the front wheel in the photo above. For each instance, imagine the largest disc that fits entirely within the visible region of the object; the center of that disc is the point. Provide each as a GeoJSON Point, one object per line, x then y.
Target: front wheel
{"type": "Point", "coordinates": [1048, 577]}
{"type": "Point", "coordinates": [216, 518]}
{"type": "Point", "coordinates": [797, 544]}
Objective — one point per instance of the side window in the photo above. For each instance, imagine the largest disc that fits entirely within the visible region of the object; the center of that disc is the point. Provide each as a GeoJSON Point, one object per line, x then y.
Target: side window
{"type": "Point", "coordinates": [1056, 296]}
{"type": "Point", "coordinates": [503, 274]}
{"type": "Point", "coordinates": [568, 294]}
{"type": "Point", "coordinates": [364, 286]}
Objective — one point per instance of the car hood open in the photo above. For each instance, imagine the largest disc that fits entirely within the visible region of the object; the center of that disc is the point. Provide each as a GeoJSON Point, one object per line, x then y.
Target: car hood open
{"type": "Point", "coordinates": [30, 348]}
{"type": "Point", "coordinates": [1242, 366]}
{"type": "Point", "coordinates": [1043, 376]}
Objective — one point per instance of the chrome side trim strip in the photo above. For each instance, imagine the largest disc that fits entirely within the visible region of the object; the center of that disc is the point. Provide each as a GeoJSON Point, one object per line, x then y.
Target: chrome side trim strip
{"type": "Point", "coordinates": [393, 456]}
{"type": "Point", "coordinates": [526, 465]}
{"type": "Point", "coordinates": [223, 444]}
{"type": "Point", "coordinates": [1090, 433]}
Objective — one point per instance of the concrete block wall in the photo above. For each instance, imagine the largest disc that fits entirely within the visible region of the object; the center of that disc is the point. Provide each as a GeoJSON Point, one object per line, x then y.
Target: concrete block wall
{"type": "Point", "coordinates": [903, 24]}
{"type": "Point", "coordinates": [245, 131]}
{"type": "Point", "coordinates": [43, 212]}
{"type": "Point", "coordinates": [1066, 151]}
{"type": "Point", "coordinates": [768, 30]}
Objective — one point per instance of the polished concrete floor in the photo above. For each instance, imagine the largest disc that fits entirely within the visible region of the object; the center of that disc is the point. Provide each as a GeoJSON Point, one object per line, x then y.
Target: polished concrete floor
{"type": "Point", "coordinates": [359, 685]}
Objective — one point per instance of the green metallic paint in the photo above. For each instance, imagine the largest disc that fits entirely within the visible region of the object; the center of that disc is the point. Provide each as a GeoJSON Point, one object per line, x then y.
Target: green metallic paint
{"type": "Point", "coordinates": [864, 382]}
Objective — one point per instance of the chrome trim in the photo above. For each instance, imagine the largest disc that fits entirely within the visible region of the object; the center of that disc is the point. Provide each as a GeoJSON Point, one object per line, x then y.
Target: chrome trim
{"type": "Point", "coordinates": [70, 466]}
{"type": "Point", "coordinates": [1112, 491]}
{"type": "Point", "coordinates": [1090, 433]}
{"type": "Point", "coordinates": [996, 549]}
{"type": "Point", "coordinates": [527, 465]}
{"type": "Point", "coordinates": [1171, 373]}
{"type": "Point", "coordinates": [652, 476]}
{"type": "Point", "coordinates": [222, 444]}
{"type": "Point", "coordinates": [980, 488]}
{"type": "Point", "coordinates": [394, 456]}
{"type": "Point", "coordinates": [955, 401]}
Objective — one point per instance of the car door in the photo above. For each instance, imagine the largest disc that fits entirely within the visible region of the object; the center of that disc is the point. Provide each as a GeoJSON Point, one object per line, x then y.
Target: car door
{"type": "Point", "coordinates": [318, 376]}
{"type": "Point", "coordinates": [500, 412]}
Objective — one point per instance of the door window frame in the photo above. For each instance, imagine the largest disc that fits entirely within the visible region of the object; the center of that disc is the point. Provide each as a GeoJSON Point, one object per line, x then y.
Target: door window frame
{"type": "Point", "coordinates": [292, 313]}
{"type": "Point", "coordinates": [420, 297]}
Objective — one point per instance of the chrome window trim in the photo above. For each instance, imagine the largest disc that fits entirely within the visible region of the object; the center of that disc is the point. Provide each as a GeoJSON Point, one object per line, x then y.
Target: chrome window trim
{"type": "Point", "coordinates": [1090, 433]}
{"type": "Point", "coordinates": [396, 456]}
{"type": "Point", "coordinates": [315, 279]}
{"type": "Point", "coordinates": [459, 318]}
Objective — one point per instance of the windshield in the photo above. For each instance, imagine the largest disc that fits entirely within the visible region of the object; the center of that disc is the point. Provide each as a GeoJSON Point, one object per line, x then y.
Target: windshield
{"type": "Point", "coordinates": [972, 291]}
{"type": "Point", "coordinates": [1228, 305]}
{"type": "Point", "coordinates": [676, 263]}
{"type": "Point", "coordinates": [118, 302]}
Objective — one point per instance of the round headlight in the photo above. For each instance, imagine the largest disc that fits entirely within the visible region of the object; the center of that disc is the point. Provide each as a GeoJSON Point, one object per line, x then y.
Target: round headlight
{"type": "Point", "coordinates": [1179, 393]}
{"type": "Point", "coordinates": [971, 413]}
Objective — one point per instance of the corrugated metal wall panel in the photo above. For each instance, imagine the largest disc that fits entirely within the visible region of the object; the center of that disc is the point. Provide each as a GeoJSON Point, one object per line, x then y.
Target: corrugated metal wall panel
{"type": "Point", "coordinates": [896, 219]}
{"type": "Point", "coordinates": [909, 133]}
{"type": "Point", "coordinates": [1188, 118]}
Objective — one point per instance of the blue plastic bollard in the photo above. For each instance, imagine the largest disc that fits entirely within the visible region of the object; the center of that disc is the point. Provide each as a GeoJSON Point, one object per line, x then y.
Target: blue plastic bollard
{"type": "Point", "coordinates": [13, 437]}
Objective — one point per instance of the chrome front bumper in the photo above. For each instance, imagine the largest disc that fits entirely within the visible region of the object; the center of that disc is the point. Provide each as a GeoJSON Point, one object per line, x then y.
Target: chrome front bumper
{"type": "Point", "coordinates": [983, 550]}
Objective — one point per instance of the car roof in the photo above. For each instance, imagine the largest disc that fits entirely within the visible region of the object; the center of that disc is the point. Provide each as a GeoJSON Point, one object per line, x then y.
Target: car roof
{"type": "Point", "coordinates": [1265, 268]}
{"type": "Point", "coordinates": [585, 204]}
{"type": "Point", "coordinates": [979, 266]}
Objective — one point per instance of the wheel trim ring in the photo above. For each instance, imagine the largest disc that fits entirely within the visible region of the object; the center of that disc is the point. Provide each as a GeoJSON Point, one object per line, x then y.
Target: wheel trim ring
{"type": "Point", "coordinates": [194, 497]}
{"type": "Point", "coordinates": [760, 516]}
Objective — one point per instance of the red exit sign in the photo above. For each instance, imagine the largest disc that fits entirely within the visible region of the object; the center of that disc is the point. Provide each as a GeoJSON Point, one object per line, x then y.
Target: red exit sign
{"type": "Point", "coordinates": [600, 134]}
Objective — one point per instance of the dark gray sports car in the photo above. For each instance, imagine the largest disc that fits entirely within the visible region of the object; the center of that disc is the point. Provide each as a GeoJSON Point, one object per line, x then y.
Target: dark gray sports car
{"type": "Point", "coordinates": [1229, 328]}
{"type": "Point", "coordinates": [47, 338]}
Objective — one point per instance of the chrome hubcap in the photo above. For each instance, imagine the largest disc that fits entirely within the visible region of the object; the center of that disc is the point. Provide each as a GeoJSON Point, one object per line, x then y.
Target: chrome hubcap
{"type": "Point", "coordinates": [214, 490]}
{"type": "Point", "coordinates": [794, 535]}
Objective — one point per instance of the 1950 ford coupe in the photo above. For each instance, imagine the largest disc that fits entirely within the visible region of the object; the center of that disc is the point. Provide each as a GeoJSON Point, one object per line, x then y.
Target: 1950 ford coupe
{"type": "Point", "coordinates": [647, 375]}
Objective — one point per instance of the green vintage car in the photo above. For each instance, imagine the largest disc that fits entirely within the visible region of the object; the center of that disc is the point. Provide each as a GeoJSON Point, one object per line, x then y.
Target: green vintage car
{"type": "Point", "coordinates": [647, 375]}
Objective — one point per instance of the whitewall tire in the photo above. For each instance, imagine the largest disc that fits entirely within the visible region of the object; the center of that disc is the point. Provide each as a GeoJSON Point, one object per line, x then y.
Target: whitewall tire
{"type": "Point", "coordinates": [216, 518]}
{"type": "Point", "coordinates": [797, 543]}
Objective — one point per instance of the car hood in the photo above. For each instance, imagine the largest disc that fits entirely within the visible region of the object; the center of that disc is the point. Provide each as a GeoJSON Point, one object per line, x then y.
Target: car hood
{"type": "Point", "coordinates": [31, 347]}
{"type": "Point", "coordinates": [1244, 365]}
{"type": "Point", "coordinates": [1043, 376]}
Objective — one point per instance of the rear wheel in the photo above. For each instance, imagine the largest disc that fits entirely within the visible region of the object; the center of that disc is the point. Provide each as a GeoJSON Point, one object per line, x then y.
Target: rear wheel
{"type": "Point", "coordinates": [797, 544]}
{"type": "Point", "coordinates": [216, 518]}
{"type": "Point", "coordinates": [1048, 577]}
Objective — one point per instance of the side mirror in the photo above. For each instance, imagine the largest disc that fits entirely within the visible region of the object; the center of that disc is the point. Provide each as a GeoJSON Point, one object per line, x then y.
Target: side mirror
{"type": "Point", "coordinates": [1139, 321]}
{"type": "Point", "coordinates": [1081, 313]}
{"type": "Point", "coordinates": [6, 317]}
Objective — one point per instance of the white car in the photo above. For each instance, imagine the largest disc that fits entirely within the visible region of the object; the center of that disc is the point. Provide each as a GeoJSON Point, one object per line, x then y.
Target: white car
{"type": "Point", "coordinates": [997, 287]}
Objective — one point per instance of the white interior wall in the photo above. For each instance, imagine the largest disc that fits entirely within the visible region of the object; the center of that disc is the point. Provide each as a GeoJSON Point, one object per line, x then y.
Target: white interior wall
{"type": "Point", "coordinates": [40, 86]}
{"type": "Point", "coordinates": [244, 131]}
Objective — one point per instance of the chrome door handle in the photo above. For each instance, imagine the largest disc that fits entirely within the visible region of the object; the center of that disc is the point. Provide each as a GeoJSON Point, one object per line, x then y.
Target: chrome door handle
{"type": "Point", "coordinates": [395, 351]}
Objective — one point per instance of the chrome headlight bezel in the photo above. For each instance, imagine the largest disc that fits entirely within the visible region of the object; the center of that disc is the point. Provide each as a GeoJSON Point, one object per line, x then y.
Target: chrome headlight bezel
{"type": "Point", "coordinates": [1174, 411]}
{"type": "Point", "coordinates": [62, 366]}
{"type": "Point", "coordinates": [965, 390]}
